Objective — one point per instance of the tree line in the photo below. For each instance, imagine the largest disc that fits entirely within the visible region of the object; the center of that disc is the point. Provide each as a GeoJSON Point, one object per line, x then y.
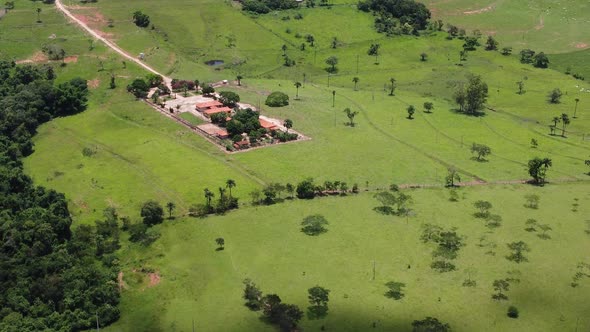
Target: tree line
{"type": "Point", "coordinates": [51, 277]}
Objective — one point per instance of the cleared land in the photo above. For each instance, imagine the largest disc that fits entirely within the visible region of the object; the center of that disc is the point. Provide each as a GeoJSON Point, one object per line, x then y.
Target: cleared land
{"type": "Point", "coordinates": [141, 155]}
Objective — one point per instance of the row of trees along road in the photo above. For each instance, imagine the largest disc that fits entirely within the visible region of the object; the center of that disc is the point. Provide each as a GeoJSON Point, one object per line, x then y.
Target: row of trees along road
{"type": "Point", "coordinates": [52, 278]}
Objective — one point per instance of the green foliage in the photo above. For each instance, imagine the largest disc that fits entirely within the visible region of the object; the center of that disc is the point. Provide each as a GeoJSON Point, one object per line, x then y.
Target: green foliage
{"type": "Point", "coordinates": [532, 201]}
{"type": "Point", "coordinates": [54, 52]}
{"type": "Point", "coordinates": [452, 176]}
{"type": "Point", "coordinates": [541, 60]}
{"type": "Point", "coordinates": [537, 168]}
{"type": "Point", "coordinates": [512, 312]}
{"type": "Point", "coordinates": [518, 249]}
{"type": "Point", "coordinates": [140, 19]}
{"type": "Point", "coordinates": [265, 6]}
{"type": "Point", "coordinates": [395, 290]}
{"type": "Point", "coordinates": [442, 266]}
{"type": "Point", "coordinates": [430, 324]}
{"type": "Point", "coordinates": [277, 99]}
{"type": "Point", "coordinates": [229, 98]}
{"type": "Point", "coordinates": [306, 189]}
{"type": "Point", "coordinates": [154, 80]}
{"type": "Point", "coordinates": [554, 96]}
{"type": "Point", "coordinates": [331, 61]}
{"type": "Point", "coordinates": [397, 16]}
{"type": "Point", "coordinates": [139, 88]}
{"type": "Point", "coordinates": [152, 213]}
{"type": "Point", "coordinates": [50, 276]}
{"type": "Point", "coordinates": [252, 295]}
{"type": "Point", "coordinates": [314, 225]}
{"type": "Point", "coordinates": [500, 287]}
{"type": "Point", "coordinates": [393, 203]}
{"type": "Point", "coordinates": [472, 99]}
{"type": "Point", "coordinates": [318, 298]}
{"type": "Point", "coordinates": [481, 151]}
{"type": "Point", "coordinates": [491, 44]}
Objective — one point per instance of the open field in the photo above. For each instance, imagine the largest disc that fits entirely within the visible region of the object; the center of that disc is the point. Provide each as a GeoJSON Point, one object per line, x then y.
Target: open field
{"type": "Point", "coordinates": [206, 284]}
{"type": "Point", "coordinates": [137, 155]}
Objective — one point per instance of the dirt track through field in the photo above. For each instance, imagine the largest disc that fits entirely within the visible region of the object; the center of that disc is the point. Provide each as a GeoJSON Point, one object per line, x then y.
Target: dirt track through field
{"type": "Point", "coordinates": [60, 6]}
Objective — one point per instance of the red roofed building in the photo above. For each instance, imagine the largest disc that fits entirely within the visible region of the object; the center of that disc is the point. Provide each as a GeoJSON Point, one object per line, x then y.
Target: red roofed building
{"type": "Point", "coordinates": [201, 107]}
{"type": "Point", "coordinates": [267, 125]}
{"type": "Point", "coordinates": [212, 111]}
{"type": "Point", "coordinates": [222, 133]}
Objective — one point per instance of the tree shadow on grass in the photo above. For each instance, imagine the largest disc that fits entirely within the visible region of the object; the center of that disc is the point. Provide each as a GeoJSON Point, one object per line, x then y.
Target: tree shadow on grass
{"type": "Point", "coordinates": [316, 312]}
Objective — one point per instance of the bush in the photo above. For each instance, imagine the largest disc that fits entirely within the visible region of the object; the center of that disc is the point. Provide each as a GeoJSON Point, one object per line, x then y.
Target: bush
{"type": "Point", "coordinates": [139, 88]}
{"type": "Point", "coordinates": [512, 312]}
{"type": "Point", "coordinates": [305, 189]}
{"type": "Point", "coordinates": [277, 99]}
{"type": "Point", "coordinates": [198, 210]}
{"type": "Point", "coordinates": [229, 98]}
{"type": "Point", "coordinates": [181, 84]}
{"type": "Point", "coordinates": [140, 19]}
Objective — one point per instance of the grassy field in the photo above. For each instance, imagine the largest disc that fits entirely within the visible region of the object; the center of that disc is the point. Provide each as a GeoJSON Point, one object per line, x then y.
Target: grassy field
{"type": "Point", "coordinates": [140, 155]}
{"type": "Point", "coordinates": [206, 285]}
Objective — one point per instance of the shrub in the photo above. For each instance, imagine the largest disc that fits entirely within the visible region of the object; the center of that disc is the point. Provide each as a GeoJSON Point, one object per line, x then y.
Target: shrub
{"type": "Point", "coordinates": [139, 88]}
{"type": "Point", "coordinates": [140, 19]}
{"type": "Point", "coordinates": [229, 98]}
{"type": "Point", "coordinates": [277, 99]}
{"type": "Point", "coordinates": [305, 189]}
{"type": "Point", "coordinates": [512, 312]}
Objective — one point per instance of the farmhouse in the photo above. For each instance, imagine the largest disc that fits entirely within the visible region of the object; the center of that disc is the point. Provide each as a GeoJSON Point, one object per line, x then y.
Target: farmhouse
{"type": "Point", "coordinates": [209, 112]}
{"type": "Point", "coordinates": [268, 125]}
{"type": "Point", "coordinates": [202, 107]}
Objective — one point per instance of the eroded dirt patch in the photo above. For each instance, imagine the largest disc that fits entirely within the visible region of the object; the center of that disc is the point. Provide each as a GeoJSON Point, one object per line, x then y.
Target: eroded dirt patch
{"type": "Point", "coordinates": [581, 45]}
{"type": "Point", "coordinates": [479, 11]}
{"type": "Point", "coordinates": [38, 57]}
{"type": "Point", "coordinates": [93, 84]}
{"type": "Point", "coordinates": [71, 59]}
{"type": "Point", "coordinates": [154, 279]}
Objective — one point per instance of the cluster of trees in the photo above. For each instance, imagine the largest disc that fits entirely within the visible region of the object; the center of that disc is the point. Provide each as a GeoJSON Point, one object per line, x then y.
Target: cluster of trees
{"type": "Point", "coordinates": [448, 243]}
{"type": "Point", "coordinates": [565, 121]}
{"type": "Point", "coordinates": [396, 17]}
{"type": "Point", "coordinates": [184, 85]}
{"type": "Point", "coordinates": [305, 189]}
{"type": "Point", "coordinates": [538, 60]}
{"type": "Point", "coordinates": [266, 6]}
{"type": "Point", "coordinates": [227, 201]}
{"type": "Point", "coordinates": [537, 168]}
{"type": "Point", "coordinates": [285, 316]}
{"type": "Point", "coordinates": [140, 87]}
{"type": "Point", "coordinates": [51, 278]}
{"type": "Point", "coordinates": [314, 225]}
{"type": "Point", "coordinates": [393, 202]}
{"type": "Point", "coordinates": [483, 212]}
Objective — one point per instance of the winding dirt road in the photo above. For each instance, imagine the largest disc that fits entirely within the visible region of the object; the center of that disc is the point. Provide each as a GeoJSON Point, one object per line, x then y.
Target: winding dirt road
{"type": "Point", "coordinates": [62, 8]}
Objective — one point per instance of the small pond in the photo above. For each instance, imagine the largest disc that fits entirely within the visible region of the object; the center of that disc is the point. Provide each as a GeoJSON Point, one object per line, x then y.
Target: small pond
{"type": "Point", "coordinates": [214, 62]}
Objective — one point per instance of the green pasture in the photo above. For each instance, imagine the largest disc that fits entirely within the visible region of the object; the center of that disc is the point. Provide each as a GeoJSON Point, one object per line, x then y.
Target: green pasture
{"type": "Point", "coordinates": [265, 244]}
{"type": "Point", "coordinates": [137, 154]}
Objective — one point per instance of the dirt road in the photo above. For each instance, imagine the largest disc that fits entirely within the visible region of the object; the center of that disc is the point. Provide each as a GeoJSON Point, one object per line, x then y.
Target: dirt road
{"type": "Point", "coordinates": [60, 6]}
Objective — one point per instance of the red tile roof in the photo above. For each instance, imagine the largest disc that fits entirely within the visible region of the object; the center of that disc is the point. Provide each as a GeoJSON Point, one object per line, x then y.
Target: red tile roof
{"type": "Point", "coordinates": [208, 104]}
{"type": "Point", "coordinates": [217, 110]}
{"type": "Point", "coordinates": [266, 124]}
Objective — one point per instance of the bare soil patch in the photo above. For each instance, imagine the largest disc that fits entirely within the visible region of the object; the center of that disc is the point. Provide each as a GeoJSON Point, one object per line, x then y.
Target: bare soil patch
{"type": "Point", "coordinates": [121, 282]}
{"type": "Point", "coordinates": [541, 24]}
{"type": "Point", "coordinates": [154, 279]}
{"type": "Point", "coordinates": [93, 84]}
{"type": "Point", "coordinates": [71, 58]}
{"type": "Point", "coordinates": [479, 11]}
{"type": "Point", "coordinates": [38, 57]}
{"type": "Point", "coordinates": [581, 45]}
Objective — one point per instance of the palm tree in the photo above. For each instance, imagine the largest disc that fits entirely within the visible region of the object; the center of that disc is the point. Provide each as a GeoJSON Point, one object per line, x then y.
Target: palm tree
{"type": "Point", "coordinates": [284, 48]}
{"type": "Point", "coordinates": [350, 114]}
{"type": "Point", "coordinates": [288, 124]}
{"type": "Point", "coordinates": [208, 196]}
{"type": "Point", "coordinates": [556, 120]}
{"type": "Point", "coordinates": [239, 78]}
{"type": "Point", "coordinates": [230, 184]}
{"type": "Point", "coordinates": [393, 86]}
{"type": "Point", "coordinates": [565, 120]}
{"type": "Point", "coordinates": [297, 86]}
{"type": "Point", "coordinates": [576, 108]}
{"type": "Point", "coordinates": [423, 56]}
{"type": "Point", "coordinates": [38, 15]}
{"type": "Point", "coordinates": [221, 193]}
{"type": "Point", "coordinates": [333, 97]}
{"type": "Point", "coordinates": [170, 206]}
{"type": "Point", "coordinates": [355, 80]}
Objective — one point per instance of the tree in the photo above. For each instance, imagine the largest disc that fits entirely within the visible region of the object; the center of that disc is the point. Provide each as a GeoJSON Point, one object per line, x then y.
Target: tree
{"type": "Point", "coordinates": [152, 213]}
{"type": "Point", "coordinates": [38, 15]}
{"type": "Point", "coordinates": [491, 44]}
{"type": "Point", "coordinates": [318, 298]}
{"type": "Point", "coordinates": [587, 163]}
{"type": "Point", "coordinates": [506, 50]}
{"type": "Point", "coordinates": [284, 49]}
{"type": "Point", "coordinates": [423, 56]}
{"type": "Point", "coordinates": [518, 248]}
{"type": "Point", "coordinates": [500, 287]}
{"type": "Point", "coordinates": [555, 120]}
{"type": "Point", "coordinates": [483, 207]}
{"type": "Point", "coordinates": [460, 98]}
{"type": "Point", "coordinates": [252, 295]}
{"type": "Point", "coordinates": [537, 168]}
{"type": "Point", "coordinates": [411, 110]}
{"type": "Point", "coordinates": [350, 114]}
{"type": "Point", "coordinates": [463, 55]}
{"type": "Point", "coordinates": [374, 50]}
{"type": "Point", "coordinates": [430, 324]}
{"type": "Point", "coordinates": [540, 60]}
{"type": "Point", "coordinates": [452, 176]}
{"type": "Point", "coordinates": [355, 80]}
{"type": "Point", "coordinates": [277, 99]}
{"type": "Point", "coordinates": [140, 19]}
{"type": "Point", "coordinates": [229, 98]}
{"type": "Point", "coordinates": [532, 201]}
{"type": "Point", "coordinates": [577, 100]}
{"type": "Point", "coordinates": [208, 196]}
{"type": "Point", "coordinates": [392, 86]}
{"type": "Point", "coordinates": [112, 85]}
{"type": "Point", "coordinates": [555, 96]}
{"type": "Point", "coordinates": [334, 42]}
{"type": "Point", "coordinates": [71, 97]}
{"type": "Point", "coordinates": [520, 85]}
{"type": "Point", "coordinates": [170, 206]}
{"type": "Point", "coordinates": [230, 183]}
{"type": "Point", "coordinates": [220, 243]}
{"type": "Point", "coordinates": [239, 79]}
{"type": "Point", "coordinates": [314, 225]}
{"type": "Point", "coordinates": [305, 189]}
{"type": "Point", "coordinates": [526, 55]}
{"type": "Point", "coordinates": [428, 107]}
{"type": "Point", "coordinates": [476, 94]}
{"type": "Point", "coordinates": [332, 61]}
{"type": "Point", "coordinates": [297, 86]}
{"type": "Point", "coordinates": [139, 88]}
{"type": "Point", "coordinates": [512, 312]}
{"type": "Point", "coordinates": [395, 290]}
{"type": "Point", "coordinates": [565, 121]}
{"type": "Point", "coordinates": [481, 150]}
{"type": "Point", "coordinates": [288, 124]}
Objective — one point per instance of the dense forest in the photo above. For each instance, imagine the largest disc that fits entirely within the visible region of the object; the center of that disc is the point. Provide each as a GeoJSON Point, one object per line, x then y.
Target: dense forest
{"type": "Point", "coordinates": [52, 278]}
